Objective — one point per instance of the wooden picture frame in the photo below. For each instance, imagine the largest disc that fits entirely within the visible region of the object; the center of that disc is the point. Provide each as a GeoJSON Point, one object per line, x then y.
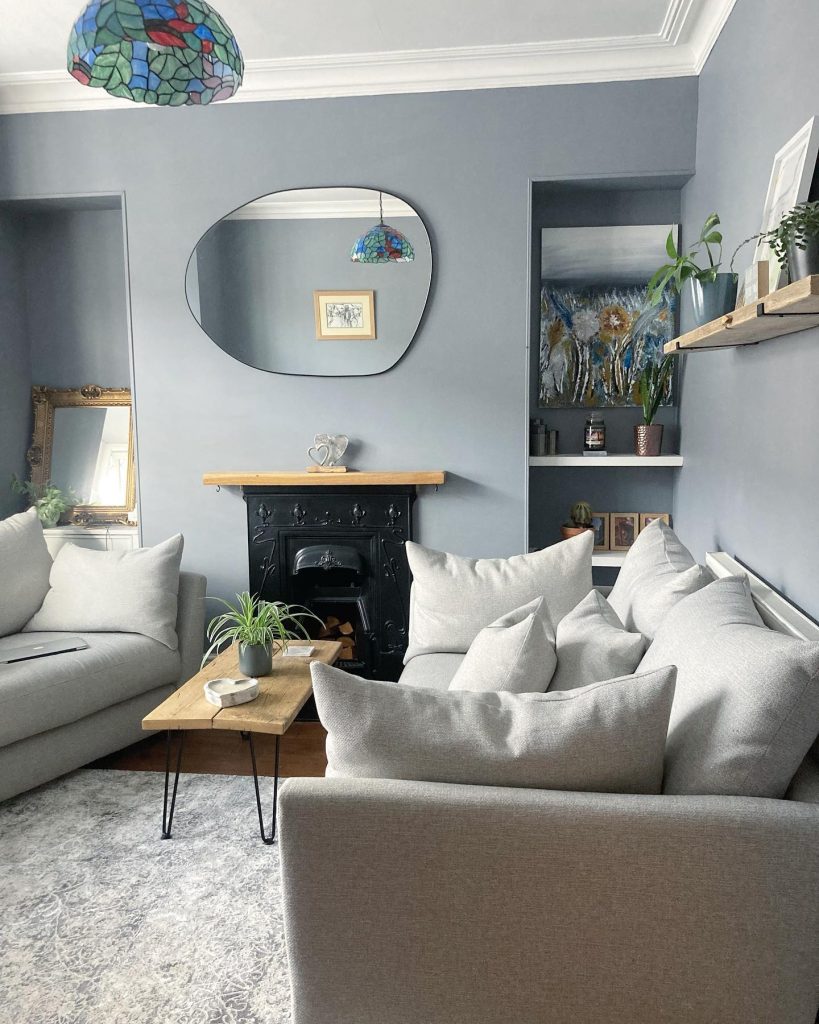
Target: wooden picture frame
{"type": "Point", "coordinates": [344, 315]}
{"type": "Point", "coordinates": [624, 526]}
{"type": "Point", "coordinates": [753, 284]}
{"type": "Point", "coordinates": [45, 401]}
{"type": "Point", "coordinates": [600, 525]}
{"type": "Point", "coordinates": [647, 518]}
{"type": "Point", "coordinates": [790, 181]}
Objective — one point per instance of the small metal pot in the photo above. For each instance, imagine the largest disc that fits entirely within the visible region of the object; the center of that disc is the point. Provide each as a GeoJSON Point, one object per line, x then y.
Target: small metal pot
{"type": "Point", "coordinates": [803, 262]}
{"type": "Point", "coordinates": [255, 659]}
{"type": "Point", "coordinates": [704, 301]}
{"type": "Point", "coordinates": [648, 439]}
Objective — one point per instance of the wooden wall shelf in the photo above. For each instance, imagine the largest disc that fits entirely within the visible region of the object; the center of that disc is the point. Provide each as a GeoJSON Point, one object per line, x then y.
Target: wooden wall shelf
{"type": "Point", "coordinates": [785, 311]}
{"type": "Point", "coordinates": [353, 478]}
{"type": "Point", "coordinates": [607, 462]}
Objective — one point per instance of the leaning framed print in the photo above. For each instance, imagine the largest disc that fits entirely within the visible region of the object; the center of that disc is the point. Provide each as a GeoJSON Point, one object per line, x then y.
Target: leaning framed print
{"type": "Point", "coordinates": [624, 529]}
{"type": "Point", "coordinates": [344, 315]}
{"type": "Point", "coordinates": [600, 525]}
{"type": "Point", "coordinates": [647, 518]}
{"type": "Point", "coordinates": [791, 176]}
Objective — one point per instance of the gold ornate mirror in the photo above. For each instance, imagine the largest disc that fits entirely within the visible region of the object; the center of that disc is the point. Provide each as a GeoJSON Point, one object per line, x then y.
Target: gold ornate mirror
{"type": "Point", "coordinates": [83, 443]}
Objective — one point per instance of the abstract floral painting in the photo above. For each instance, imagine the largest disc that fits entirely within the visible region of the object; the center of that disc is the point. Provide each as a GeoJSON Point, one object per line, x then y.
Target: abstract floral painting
{"type": "Point", "coordinates": [595, 341]}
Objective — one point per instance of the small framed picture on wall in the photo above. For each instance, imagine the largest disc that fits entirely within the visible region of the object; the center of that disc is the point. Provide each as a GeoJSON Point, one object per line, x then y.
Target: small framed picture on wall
{"type": "Point", "coordinates": [624, 529]}
{"type": "Point", "coordinates": [647, 518]}
{"type": "Point", "coordinates": [344, 316]}
{"type": "Point", "coordinates": [600, 525]}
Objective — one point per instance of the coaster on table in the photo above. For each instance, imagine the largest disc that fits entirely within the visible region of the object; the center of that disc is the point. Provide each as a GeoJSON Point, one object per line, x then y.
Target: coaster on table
{"type": "Point", "coordinates": [299, 652]}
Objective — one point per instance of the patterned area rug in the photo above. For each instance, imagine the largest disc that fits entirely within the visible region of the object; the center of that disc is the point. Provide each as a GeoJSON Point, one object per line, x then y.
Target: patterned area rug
{"type": "Point", "coordinates": [101, 922]}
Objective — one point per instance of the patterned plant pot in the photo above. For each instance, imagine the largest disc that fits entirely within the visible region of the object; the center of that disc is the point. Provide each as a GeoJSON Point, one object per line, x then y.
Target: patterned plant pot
{"type": "Point", "coordinates": [648, 439]}
{"type": "Point", "coordinates": [255, 660]}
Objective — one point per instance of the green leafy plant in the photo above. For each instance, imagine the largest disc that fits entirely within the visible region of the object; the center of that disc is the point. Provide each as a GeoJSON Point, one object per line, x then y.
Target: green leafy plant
{"type": "Point", "coordinates": [797, 228]}
{"type": "Point", "coordinates": [257, 623]}
{"type": "Point", "coordinates": [580, 516]}
{"type": "Point", "coordinates": [49, 501]}
{"type": "Point", "coordinates": [684, 265]}
{"type": "Point", "coordinates": [653, 385]}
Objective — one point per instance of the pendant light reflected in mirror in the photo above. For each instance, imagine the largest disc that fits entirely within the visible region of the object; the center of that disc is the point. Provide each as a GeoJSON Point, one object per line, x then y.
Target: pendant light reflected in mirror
{"type": "Point", "coordinates": [382, 244]}
{"type": "Point", "coordinates": [168, 54]}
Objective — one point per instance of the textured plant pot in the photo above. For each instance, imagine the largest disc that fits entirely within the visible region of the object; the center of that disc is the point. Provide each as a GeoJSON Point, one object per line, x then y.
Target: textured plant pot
{"type": "Point", "coordinates": [255, 660]}
{"type": "Point", "coordinates": [803, 262]}
{"type": "Point", "coordinates": [648, 439]}
{"type": "Point", "coordinates": [573, 531]}
{"type": "Point", "coordinates": [704, 301]}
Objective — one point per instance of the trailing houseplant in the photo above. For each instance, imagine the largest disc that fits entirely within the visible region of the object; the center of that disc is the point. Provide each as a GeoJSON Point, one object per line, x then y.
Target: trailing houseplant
{"type": "Point", "coordinates": [709, 292]}
{"type": "Point", "coordinates": [580, 520]}
{"type": "Point", "coordinates": [48, 501]}
{"type": "Point", "coordinates": [795, 240]}
{"type": "Point", "coordinates": [259, 628]}
{"type": "Point", "coordinates": [653, 386]}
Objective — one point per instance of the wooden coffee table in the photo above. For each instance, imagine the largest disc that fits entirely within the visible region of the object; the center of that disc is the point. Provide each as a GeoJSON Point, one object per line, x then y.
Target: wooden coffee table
{"type": "Point", "coordinates": [282, 695]}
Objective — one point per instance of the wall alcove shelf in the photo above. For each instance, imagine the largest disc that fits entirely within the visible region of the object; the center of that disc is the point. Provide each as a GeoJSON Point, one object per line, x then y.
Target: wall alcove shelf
{"type": "Point", "coordinates": [607, 461]}
{"type": "Point", "coordinates": [353, 478]}
{"type": "Point", "coordinates": [785, 311]}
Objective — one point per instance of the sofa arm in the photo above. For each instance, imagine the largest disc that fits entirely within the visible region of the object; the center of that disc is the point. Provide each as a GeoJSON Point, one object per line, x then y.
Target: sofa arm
{"type": "Point", "coordinates": [425, 903]}
{"type": "Point", "coordinates": [190, 622]}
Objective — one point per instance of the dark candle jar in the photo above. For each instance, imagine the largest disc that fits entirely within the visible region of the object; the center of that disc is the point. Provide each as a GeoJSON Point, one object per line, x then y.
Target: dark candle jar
{"type": "Point", "coordinates": [594, 437]}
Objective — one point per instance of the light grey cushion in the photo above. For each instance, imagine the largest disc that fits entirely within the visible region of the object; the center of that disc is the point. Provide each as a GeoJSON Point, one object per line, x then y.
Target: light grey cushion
{"type": "Point", "coordinates": [24, 567]}
{"type": "Point", "coordinates": [592, 644]}
{"type": "Point", "coordinates": [658, 571]}
{"type": "Point", "coordinates": [433, 671]}
{"type": "Point", "coordinates": [513, 654]}
{"type": "Point", "coordinates": [453, 598]}
{"type": "Point", "coordinates": [114, 591]}
{"type": "Point", "coordinates": [608, 737]}
{"type": "Point", "coordinates": [43, 693]}
{"type": "Point", "coordinates": [746, 709]}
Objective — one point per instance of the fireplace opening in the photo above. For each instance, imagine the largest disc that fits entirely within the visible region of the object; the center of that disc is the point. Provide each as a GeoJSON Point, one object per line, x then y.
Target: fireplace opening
{"type": "Point", "coordinates": [332, 580]}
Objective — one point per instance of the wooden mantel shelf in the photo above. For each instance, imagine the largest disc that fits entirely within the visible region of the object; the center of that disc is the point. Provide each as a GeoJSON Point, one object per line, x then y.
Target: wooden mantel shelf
{"type": "Point", "coordinates": [354, 478]}
{"type": "Point", "coordinates": [785, 311]}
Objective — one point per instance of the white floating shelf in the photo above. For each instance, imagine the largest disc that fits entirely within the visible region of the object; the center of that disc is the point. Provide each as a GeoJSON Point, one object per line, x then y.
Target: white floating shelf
{"type": "Point", "coordinates": [609, 559]}
{"type": "Point", "coordinates": [608, 461]}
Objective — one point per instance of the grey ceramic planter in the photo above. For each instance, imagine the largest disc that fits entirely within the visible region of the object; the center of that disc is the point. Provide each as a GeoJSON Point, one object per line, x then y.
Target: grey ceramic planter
{"type": "Point", "coordinates": [803, 262]}
{"type": "Point", "coordinates": [703, 301]}
{"type": "Point", "coordinates": [255, 660]}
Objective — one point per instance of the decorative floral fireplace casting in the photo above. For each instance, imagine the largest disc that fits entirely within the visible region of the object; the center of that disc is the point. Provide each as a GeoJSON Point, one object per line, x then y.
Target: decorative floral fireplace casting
{"type": "Point", "coordinates": [340, 552]}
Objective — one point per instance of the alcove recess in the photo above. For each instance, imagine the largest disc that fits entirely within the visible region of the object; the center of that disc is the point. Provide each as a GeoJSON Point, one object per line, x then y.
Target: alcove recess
{"type": "Point", "coordinates": [553, 488]}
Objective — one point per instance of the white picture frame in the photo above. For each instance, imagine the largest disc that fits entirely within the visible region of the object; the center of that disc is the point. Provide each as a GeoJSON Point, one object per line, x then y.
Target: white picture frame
{"type": "Point", "coordinates": [790, 181]}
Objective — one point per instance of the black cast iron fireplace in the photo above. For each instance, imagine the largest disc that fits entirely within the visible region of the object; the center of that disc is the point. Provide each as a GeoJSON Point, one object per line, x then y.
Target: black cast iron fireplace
{"type": "Point", "coordinates": [340, 551]}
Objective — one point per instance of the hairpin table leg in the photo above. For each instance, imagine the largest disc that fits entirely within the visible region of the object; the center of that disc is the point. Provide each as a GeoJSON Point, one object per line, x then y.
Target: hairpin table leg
{"type": "Point", "coordinates": [167, 817]}
{"type": "Point", "coordinates": [267, 840]}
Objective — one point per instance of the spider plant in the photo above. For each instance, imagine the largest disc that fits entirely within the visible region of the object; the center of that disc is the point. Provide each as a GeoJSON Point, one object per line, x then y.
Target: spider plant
{"type": "Point", "coordinates": [253, 623]}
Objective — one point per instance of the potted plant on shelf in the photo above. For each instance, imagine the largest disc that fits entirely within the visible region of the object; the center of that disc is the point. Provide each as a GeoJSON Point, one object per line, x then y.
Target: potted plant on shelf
{"type": "Point", "coordinates": [705, 292]}
{"type": "Point", "coordinates": [580, 520]}
{"type": "Point", "coordinates": [653, 385]}
{"type": "Point", "coordinates": [795, 241]}
{"type": "Point", "coordinates": [48, 501]}
{"type": "Point", "coordinates": [258, 627]}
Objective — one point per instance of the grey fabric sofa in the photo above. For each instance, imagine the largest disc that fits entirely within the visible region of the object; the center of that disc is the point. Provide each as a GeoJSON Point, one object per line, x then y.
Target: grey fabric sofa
{"type": "Point", "coordinates": [431, 903]}
{"type": "Point", "coordinates": [60, 712]}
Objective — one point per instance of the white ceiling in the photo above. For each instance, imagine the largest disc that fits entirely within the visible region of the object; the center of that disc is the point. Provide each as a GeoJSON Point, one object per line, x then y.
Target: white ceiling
{"type": "Point", "coordinates": [363, 47]}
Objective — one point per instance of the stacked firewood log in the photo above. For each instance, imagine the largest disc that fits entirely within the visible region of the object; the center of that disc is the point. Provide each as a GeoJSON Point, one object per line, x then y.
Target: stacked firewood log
{"type": "Point", "coordinates": [344, 632]}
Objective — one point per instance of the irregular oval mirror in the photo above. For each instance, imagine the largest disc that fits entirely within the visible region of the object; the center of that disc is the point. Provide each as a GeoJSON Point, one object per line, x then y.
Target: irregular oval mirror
{"type": "Point", "coordinates": [321, 281]}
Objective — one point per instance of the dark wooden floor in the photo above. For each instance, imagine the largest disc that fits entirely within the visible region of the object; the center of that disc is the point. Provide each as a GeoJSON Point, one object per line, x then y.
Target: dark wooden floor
{"type": "Point", "coordinates": [226, 753]}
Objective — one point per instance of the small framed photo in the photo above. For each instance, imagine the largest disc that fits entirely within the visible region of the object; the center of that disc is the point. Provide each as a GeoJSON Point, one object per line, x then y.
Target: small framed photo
{"type": "Point", "coordinates": [624, 529]}
{"type": "Point", "coordinates": [600, 525]}
{"type": "Point", "coordinates": [753, 284]}
{"type": "Point", "coordinates": [647, 518]}
{"type": "Point", "coordinates": [344, 316]}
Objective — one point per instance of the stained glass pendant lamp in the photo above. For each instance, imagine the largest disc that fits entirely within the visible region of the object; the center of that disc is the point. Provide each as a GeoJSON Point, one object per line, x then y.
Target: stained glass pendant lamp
{"type": "Point", "coordinates": [165, 53]}
{"type": "Point", "coordinates": [382, 244]}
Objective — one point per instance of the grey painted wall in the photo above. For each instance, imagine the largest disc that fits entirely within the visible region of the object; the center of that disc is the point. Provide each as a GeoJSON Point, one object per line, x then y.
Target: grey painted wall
{"type": "Point", "coordinates": [76, 311]}
{"type": "Point", "coordinates": [750, 417]}
{"type": "Point", "coordinates": [15, 373]}
{"type": "Point", "coordinates": [553, 491]}
{"type": "Point", "coordinates": [458, 399]}
{"type": "Point", "coordinates": [256, 282]}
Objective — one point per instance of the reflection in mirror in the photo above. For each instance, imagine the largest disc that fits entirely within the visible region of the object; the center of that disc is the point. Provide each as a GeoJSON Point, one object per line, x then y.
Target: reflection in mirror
{"type": "Point", "coordinates": [273, 283]}
{"type": "Point", "coordinates": [89, 456]}
{"type": "Point", "coordinates": [83, 444]}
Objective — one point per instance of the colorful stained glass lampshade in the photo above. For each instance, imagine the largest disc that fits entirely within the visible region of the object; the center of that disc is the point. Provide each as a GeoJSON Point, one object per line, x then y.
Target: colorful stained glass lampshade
{"type": "Point", "coordinates": [164, 53]}
{"type": "Point", "coordinates": [382, 244]}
